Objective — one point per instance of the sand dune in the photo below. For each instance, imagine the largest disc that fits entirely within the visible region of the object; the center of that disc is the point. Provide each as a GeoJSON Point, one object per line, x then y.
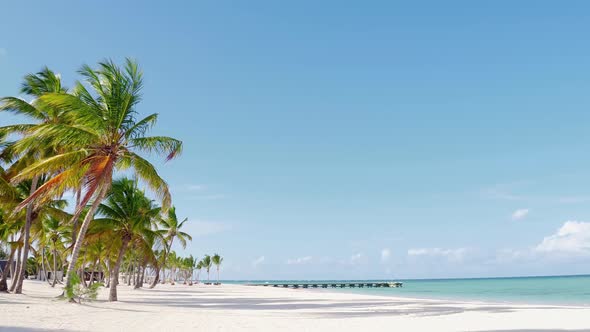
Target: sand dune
{"type": "Point", "coordinates": [244, 308]}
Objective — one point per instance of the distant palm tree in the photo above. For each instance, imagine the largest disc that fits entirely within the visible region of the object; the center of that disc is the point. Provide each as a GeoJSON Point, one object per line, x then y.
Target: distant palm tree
{"type": "Point", "coordinates": [207, 264]}
{"type": "Point", "coordinates": [170, 230]}
{"type": "Point", "coordinates": [51, 233]}
{"type": "Point", "coordinates": [128, 218]}
{"type": "Point", "coordinates": [216, 259]}
{"type": "Point", "coordinates": [199, 268]}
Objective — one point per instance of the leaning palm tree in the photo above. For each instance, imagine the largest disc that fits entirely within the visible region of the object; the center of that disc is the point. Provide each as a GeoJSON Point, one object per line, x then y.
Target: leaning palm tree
{"type": "Point", "coordinates": [34, 85]}
{"type": "Point", "coordinates": [170, 230]}
{"type": "Point", "coordinates": [216, 260]}
{"type": "Point", "coordinates": [100, 134]}
{"type": "Point", "coordinates": [127, 216]}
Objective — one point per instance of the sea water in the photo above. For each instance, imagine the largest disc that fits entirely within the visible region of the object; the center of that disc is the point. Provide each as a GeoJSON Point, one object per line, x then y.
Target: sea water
{"type": "Point", "coordinates": [557, 290]}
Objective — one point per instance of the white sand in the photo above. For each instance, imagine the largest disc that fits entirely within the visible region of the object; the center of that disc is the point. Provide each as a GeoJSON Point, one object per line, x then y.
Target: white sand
{"type": "Point", "coordinates": [247, 308]}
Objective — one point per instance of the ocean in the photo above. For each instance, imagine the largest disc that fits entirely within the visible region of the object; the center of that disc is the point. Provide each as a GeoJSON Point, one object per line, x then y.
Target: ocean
{"type": "Point", "coordinates": [556, 290]}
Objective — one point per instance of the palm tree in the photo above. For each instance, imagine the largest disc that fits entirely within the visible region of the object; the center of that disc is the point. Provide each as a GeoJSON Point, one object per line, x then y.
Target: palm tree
{"type": "Point", "coordinates": [170, 230]}
{"type": "Point", "coordinates": [51, 234]}
{"type": "Point", "coordinates": [35, 85]}
{"type": "Point", "coordinates": [100, 134]}
{"type": "Point", "coordinates": [128, 217]}
{"type": "Point", "coordinates": [199, 268]}
{"type": "Point", "coordinates": [207, 264]}
{"type": "Point", "coordinates": [216, 260]}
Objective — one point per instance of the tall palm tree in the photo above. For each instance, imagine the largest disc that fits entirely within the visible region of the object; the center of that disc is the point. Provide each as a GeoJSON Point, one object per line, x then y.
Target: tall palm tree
{"type": "Point", "coordinates": [34, 85]}
{"type": "Point", "coordinates": [170, 230]}
{"type": "Point", "coordinates": [216, 260]}
{"type": "Point", "coordinates": [128, 215]}
{"type": "Point", "coordinates": [207, 264]}
{"type": "Point", "coordinates": [100, 134]}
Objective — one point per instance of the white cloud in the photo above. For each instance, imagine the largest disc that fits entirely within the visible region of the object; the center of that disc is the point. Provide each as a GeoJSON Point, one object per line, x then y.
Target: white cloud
{"type": "Point", "coordinates": [356, 258]}
{"type": "Point", "coordinates": [385, 254]}
{"type": "Point", "coordinates": [573, 199]}
{"type": "Point", "coordinates": [503, 192]}
{"type": "Point", "coordinates": [520, 214]}
{"type": "Point", "coordinates": [258, 261]}
{"type": "Point", "coordinates": [208, 197]}
{"type": "Point", "coordinates": [571, 237]}
{"type": "Point", "coordinates": [451, 254]}
{"type": "Point", "coordinates": [195, 187]}
{"type": "Point", "coordinates": [299, 260]}
{"type": "Point", "coordinates": [202, 227]}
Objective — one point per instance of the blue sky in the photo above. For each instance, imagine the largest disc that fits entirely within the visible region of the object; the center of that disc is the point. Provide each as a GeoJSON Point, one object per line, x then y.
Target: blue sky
{"type": "Point", "coordinates": [345, 140]}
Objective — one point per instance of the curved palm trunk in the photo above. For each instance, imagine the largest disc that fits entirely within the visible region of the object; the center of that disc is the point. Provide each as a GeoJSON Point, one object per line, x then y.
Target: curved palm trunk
{"type": "Point", "coordinates": [7, 269]}
{"type": "Point", "coordinates": [13, 274]}
{"type": "Point", "coordinates": [157, 277]}
{"type": "Point", "coordinates": [115, 272]}
{"type": "Point", "coordinates": [217, 273]}
{"type": "Point", "coordinates": [20, 270]}
{"type": "Point", "coordinates": [80, 239]}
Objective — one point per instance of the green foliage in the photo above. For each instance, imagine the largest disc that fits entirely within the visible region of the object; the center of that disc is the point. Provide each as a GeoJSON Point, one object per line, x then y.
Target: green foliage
{"type": "Point", "coordinates": [73, 284]}
{"type": "Point", "coordinates": [77, 291]}
{"type": "Point", "coordinates": [3, 254]}
{"type": "Point", "coordinates": [31, 267]}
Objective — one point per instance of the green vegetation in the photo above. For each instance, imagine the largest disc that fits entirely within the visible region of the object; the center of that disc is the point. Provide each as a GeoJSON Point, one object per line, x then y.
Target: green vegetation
{"type": "Point", "coordinates": [78, 143]}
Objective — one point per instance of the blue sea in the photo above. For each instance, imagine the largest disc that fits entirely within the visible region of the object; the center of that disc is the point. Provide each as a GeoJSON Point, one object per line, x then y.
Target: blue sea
{"type": "Point", "coordinates": [557, 290]}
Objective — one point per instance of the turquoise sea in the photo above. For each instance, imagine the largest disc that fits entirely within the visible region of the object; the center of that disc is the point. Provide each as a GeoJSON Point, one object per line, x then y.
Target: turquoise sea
{"type": "Point", "coordinates": [562, 290]}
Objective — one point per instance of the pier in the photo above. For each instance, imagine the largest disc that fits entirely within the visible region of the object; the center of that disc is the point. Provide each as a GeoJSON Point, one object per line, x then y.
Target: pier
{"type": "Point", "coordinates": [333, 285]}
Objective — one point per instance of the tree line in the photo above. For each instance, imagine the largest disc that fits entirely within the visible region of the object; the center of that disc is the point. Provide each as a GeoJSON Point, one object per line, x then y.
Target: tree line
{"type": "Point", "coordinates": [85, 147]}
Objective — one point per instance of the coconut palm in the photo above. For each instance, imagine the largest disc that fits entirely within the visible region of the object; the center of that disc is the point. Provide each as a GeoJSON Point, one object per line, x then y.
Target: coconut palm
{"type": "Point", "coordinates": [216, 260]}
{"type": "Point", "coordinates": [51, 234]}
{"type": "Point", "coordinates": [207, 264]}
{"type": "Point", "coordinates": [199, 267]}
{"type": "Point", "coordinates": [170, 230]}
{"type": "Point", "coordinates": [100, 134]}
{"type": "Point", "coordinates": [128, 216]}
{"type": "Point", "coordinates": [34, 85]}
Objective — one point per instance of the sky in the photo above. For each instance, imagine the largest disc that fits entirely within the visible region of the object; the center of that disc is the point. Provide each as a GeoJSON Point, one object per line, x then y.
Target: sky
{"type": "Point", "coordinates": [351, 140]}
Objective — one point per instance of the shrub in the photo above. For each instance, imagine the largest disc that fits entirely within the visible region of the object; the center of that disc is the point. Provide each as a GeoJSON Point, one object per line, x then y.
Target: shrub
{"type": "Point", "coordinates": [77, 291]}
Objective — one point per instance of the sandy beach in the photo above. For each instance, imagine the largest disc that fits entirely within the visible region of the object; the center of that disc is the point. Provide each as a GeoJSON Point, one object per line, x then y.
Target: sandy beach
{"type": "Point", "coordinates": [246, 308]}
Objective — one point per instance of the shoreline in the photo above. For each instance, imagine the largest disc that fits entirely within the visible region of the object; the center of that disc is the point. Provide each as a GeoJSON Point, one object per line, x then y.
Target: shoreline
{"type": "Point", "coordinates": [231, 307]}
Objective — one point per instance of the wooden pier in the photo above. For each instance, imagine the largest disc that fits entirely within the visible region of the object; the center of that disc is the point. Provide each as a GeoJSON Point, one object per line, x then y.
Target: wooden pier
{"type": "Point", "coordinates": [333, 285]}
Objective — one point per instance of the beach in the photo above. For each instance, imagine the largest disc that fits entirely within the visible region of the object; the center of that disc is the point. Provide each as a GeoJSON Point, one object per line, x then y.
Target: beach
{"type": "Point", "coordinates": [247, 308]}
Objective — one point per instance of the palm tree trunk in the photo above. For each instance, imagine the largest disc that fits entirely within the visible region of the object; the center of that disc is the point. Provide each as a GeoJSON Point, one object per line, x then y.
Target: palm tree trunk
{"type": "Point", "coordinates": [143, 275]}
{"type": "Point", "coordinates": [43, 268]}
{"type": "Point", "coordinates": [217, 273]}
{"type": "Point", "coordinates": [18, 262]}
{"type": "Point", "coordinates": [7, 269]}
{"type": "Point", "coordinates": [157, 277]}
{"type": "Point", "coordinates": [128, 276]}
{"type": "Point", "coordinates": [115, 272]}
{"type": "Point", "coordinates": [76, 217]}
{"type": "Point", "coordinates": [20, 270]}
{"type": "Point", "coordinates": [54, 266]}
{"type": "Point", "coordinates": [78, 245]}
{"type": "Point", "coordinates": [137, 278]}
